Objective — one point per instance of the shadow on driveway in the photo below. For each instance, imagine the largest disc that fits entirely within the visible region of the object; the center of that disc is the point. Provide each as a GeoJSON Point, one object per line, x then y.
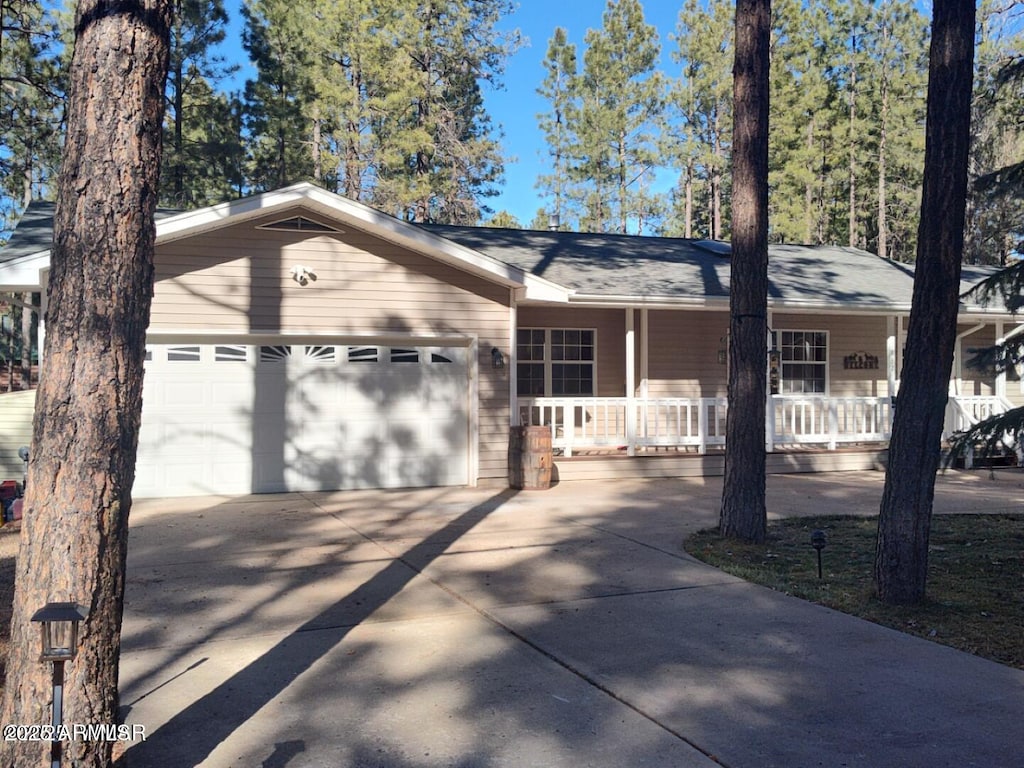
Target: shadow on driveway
{"type": "Point", "coordinates": [190, 736]}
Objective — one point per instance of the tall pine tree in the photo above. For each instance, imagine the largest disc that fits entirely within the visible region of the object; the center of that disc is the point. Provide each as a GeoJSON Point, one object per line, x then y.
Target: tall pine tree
{"type": "Point", "coordinates": [621, 96]}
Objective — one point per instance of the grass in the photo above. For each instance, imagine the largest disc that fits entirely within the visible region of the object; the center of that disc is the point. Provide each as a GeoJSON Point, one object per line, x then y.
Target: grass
{"type": "Point", "coordinates": [975, 592]}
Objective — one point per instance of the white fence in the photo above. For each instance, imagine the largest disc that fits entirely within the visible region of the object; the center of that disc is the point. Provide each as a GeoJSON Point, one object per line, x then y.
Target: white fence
{"type": "Point", "coordinates": [962, 413]}
{"type": "Point", "coordinates": [828, 421]}
{"type": "Point", "coordinates": [637, 423]}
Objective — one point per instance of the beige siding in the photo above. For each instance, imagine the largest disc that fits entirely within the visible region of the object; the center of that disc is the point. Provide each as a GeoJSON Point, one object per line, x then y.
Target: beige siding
{"type": "Point", "coordinates": [16, 410]}
{"type": "Point", "coordinates": [610, 325]}
{"type": "Point", "coordinates": [238, 280]}
{"type": "Point", "coordinates": [683, 359]}
{"type": "Point", "coordinates": [685, 349]}
{"type": "Point", "coordinates": [847, 335]}
{"type": "Point", "coordinates": [972, 381]}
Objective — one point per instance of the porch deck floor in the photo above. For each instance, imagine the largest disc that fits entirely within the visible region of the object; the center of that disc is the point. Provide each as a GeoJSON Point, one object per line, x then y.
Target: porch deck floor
{"type": "Point", "coordinates": [597, 463]}
{"type": "Point", "coordinates": [604, 452]}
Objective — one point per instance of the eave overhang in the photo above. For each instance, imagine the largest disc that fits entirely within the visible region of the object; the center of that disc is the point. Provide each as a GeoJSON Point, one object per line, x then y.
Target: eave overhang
{"type": "Point", "coordinates": [26, 272]}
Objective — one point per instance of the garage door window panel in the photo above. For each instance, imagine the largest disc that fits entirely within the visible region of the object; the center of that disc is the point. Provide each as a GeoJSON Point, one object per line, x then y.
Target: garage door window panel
{"type": "Point", "coordinates": [321, 354]}
{"type": "Point", "coordinates": [275, 353]}
{"type": "Point", "coordinates": [363, 354]}
{"type": "Point", "coordinates": [183, 354]}
{"type": "Point", "coordinates": [230, 353]}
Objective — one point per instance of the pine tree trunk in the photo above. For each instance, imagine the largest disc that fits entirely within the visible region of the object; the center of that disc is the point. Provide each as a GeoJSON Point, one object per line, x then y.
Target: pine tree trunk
{"type": "Point", "coordinates": [620, 157]}
{"type": "Point", "coordinates": [316, 146]}
{"type": "Point", "coordinates": [809, 191]}
{"type": "Point", "coordinates": [74, 535]}
{"type": "Point", "coordinates": [716, 185]}
{"type": "Point", "coordinates": [688, 215]}
{"type": "Point", "coordinates": [883, 224]}
{"type": "Point", "coordinates": [178, 172]}
{"type": "Point", "coordinates": [901, 557]}
{"type": "Point", "coordinates": [852, 215]}
{"type": "Point", "coordinates": [743, 514]}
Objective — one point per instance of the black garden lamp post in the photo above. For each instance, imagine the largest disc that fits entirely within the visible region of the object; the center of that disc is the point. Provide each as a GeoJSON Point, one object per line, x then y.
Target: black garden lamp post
{"type": "Point", "coordinates": [818, 540]}
{"type": "Point", "coordinates": [59, 627]}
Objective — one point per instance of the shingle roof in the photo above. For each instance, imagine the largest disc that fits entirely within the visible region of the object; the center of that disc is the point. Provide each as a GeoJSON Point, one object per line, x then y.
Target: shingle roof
{"type": "Point", "coordinates": [602, 265]}
{"type": "Point", "coordinates": [34, 232]}
{"type": "Point", "coordinates": [608, 266]}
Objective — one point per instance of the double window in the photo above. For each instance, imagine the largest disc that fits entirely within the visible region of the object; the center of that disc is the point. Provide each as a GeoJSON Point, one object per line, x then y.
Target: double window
{"type": "Point", "coordinates": [803, 358]}
{"type": "Point", "coordinates": [554, 362]}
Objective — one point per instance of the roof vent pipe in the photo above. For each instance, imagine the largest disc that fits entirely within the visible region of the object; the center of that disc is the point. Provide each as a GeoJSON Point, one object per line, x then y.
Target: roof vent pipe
{"type": "Point", "coordinates": [554, 222]}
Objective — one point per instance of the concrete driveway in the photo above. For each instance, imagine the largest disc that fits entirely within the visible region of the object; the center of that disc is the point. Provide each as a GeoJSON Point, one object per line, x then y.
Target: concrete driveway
{"type": "Point", "coordinates": [485, 627]}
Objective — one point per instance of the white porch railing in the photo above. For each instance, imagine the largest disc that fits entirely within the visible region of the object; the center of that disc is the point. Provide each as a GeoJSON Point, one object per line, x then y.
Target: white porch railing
{"type": "Point", "coordinates": [963, 412]}
{"type": "Point", "coordinates": [830, 421]}
{"type": "Point", "coordinates": [632, 423]}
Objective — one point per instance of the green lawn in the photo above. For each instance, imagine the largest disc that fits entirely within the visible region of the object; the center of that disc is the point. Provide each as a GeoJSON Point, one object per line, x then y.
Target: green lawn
{"type": "Point", "coordinates": [975, 579]}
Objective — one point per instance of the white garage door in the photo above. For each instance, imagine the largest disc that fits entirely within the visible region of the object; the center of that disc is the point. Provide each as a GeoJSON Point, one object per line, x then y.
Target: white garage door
{"type": "Point", "coordinates": [227, 418]}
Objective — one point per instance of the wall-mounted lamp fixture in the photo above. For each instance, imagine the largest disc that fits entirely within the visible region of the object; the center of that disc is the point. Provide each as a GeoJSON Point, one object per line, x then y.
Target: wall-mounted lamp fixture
{"type": "Point", "coordinates": [303, 275]}
{"type": "Point", "coordinates": [497, 359]}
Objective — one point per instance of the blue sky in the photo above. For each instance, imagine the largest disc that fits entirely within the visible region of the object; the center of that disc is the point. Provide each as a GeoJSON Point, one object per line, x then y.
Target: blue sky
{"type": "Point", "coordinates": [516, 106]}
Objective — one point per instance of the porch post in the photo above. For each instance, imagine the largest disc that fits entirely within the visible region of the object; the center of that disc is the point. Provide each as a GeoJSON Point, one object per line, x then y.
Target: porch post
{"type": "Point", "coordinates": [43, 304]}
{"type": "Point", "coordinates": [891, 344]}
{"type": "Point", "coordinates": [769, 405]}
{"type": "Point", "coordinates": [513, 391]}
{"type": "Point", "coordinates": [644, 353]}
{"type": "Point", "coordinates": [630, 383]}
{"type": "Point", "coordinates": [956, 386]}
{"type": "Point", "coordinates": [1001, 375]}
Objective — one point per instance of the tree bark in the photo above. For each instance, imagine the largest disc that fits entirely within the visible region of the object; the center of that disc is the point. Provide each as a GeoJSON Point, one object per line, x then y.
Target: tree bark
{"type": "Point", "coordinates": [716, 183]}
{"type": "Point", "coordinates": [75, 528]}
{"type": "Point", "coordinates": [883, 224]}
{"type": "Point", "coordinates": [743, 513]}
{"type": "Point", "coordinates": [852, 213]}
{"type": "Point", "coordinates": [901, 557]}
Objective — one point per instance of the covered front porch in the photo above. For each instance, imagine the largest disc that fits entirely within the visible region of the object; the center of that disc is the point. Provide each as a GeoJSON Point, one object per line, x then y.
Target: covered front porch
{"type": "Point", "coordinates": [650, 383]}
{"type": "Point", "coordinates": [637, 426]}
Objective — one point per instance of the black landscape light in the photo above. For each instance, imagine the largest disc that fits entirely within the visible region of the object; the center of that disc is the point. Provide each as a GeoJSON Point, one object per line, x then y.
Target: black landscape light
{"type": "Point", "coordinates": [818, 540]}
{"type": "Point", "coordinates": [59, 626]}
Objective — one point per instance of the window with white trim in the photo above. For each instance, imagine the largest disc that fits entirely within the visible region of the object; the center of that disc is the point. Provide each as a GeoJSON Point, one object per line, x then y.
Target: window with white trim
{"type": "Point", "coordinates": [555, 362]}
{"type": "Point", "coordinates": [803, 358]}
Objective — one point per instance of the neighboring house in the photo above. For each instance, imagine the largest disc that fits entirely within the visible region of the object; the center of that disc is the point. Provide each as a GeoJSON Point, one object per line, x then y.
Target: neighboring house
{"type": "Point", "coordinates": [302, 341]}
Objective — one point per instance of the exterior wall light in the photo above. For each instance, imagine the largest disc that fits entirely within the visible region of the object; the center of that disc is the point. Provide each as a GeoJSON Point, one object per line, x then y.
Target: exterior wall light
{"type": "Point", "coordinates": [59, 627]}
{"type": "Point", "coordinates": [497, 359]}
{"type": "Point", "coordinates": [303, 275]}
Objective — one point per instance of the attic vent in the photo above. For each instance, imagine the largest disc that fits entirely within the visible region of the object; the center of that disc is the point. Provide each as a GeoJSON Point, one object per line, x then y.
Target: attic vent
{"type": "Point", "coordinates": [716, 247]}
{"type": "Point", "coordinates": [299, 224]}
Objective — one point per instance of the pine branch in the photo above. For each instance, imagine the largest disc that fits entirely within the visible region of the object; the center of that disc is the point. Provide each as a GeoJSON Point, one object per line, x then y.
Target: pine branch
{"type": "Point", "coordinates": [994, 436]}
